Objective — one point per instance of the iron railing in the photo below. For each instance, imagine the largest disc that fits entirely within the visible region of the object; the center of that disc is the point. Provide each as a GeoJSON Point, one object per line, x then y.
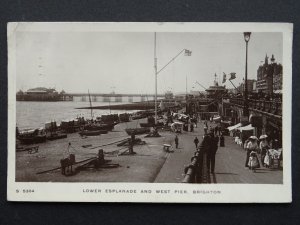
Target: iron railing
{"type": "Point", "coordinates": [197, 171]}
{"type": "Point", "coordinates": [273, 107]}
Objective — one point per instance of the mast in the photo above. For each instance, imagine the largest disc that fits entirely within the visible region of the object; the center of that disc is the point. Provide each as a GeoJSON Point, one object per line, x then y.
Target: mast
{"type": "Point", "coordinates": [90, 104]}
{"type": "Point", "coordinates": [186, 86]}
{"type": "Point", "coordinates": [155, 72]}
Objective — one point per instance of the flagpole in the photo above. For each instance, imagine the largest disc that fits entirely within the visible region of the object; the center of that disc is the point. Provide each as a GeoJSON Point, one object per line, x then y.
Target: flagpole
{"type": "Point", "coordinates": [186, 85]}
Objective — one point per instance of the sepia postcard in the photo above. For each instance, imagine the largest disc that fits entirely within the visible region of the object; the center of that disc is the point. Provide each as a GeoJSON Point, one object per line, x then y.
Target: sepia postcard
{"type": "Point", "coordinates": [149, 112]}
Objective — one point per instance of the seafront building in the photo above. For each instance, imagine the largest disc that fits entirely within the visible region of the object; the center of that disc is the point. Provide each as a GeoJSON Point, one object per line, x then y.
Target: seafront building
{"type": "Point", "coordinates": [264, 103]}
{"type": "Point", "coordinates": [269, 77]}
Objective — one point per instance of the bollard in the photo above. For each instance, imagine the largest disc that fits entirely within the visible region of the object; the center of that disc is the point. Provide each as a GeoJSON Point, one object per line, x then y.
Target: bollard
{"type": "Point", "coordinates": [131, 149]}
{"type": "Point", "coordinates": [100, 159]}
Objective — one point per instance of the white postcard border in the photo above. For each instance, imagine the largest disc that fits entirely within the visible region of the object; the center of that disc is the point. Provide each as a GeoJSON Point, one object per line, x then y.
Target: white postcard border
{"type": "Point", "coordinates": [114, 192]}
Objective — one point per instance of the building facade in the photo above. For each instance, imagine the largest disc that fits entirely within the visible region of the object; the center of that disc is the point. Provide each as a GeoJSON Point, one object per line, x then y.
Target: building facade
{"type": "Point", "coordinates": [269, 77]}
{"type": "Point", "coordinates": [277, 79]}
{"type": "Point", "coordinates": [251, 86]}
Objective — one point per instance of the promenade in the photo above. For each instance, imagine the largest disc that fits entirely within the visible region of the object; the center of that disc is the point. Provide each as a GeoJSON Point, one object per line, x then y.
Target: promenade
{"type": "Point", "coordinates": [230, 163]}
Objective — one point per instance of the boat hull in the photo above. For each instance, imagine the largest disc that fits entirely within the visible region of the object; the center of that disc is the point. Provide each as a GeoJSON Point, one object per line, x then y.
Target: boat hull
{"type": "Point", "coordinates": [32, 140]}
{"type": "Point", "coordinates": [135, 131]}
{"type": "Point", "coordinates": [57, 136]}
{"type": "Point", "coordinates": [90, 133]}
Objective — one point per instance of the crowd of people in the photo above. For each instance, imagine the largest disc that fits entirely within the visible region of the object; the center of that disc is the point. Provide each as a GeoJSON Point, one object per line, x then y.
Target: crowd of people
{"type": "Point", "coordinates": [267, 154]}
{"type": "Point", "coordinates": [263, 151]}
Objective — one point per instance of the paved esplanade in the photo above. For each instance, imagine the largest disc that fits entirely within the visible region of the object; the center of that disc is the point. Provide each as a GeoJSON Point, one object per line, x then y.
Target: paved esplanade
{"type": "Point", "coordinates": [230, 162]}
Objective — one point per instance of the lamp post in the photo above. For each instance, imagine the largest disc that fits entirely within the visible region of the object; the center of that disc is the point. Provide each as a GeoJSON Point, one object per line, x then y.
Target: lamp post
{"type": "Point", "coordinates": [246, 106]}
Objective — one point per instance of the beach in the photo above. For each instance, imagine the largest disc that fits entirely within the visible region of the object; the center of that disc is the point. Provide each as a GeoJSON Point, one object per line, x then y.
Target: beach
{"type": "Point", "coordinates": [141, 167]}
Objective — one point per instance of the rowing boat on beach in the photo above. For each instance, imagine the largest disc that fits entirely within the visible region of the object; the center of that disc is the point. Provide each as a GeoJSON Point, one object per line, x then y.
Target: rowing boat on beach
{"type": "Point", "coordinates": [90, 132]}
{"type": "Point", "coordinates": [140, 130]}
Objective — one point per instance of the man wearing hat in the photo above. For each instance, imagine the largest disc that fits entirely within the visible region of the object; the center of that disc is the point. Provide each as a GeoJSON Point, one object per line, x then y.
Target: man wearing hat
{"type": "Point", "coordinates": [211, 153]}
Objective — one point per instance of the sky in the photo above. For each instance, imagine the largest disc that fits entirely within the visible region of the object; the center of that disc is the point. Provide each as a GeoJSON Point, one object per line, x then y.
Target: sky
{"type": "Point", "coordinates": [123, 62]}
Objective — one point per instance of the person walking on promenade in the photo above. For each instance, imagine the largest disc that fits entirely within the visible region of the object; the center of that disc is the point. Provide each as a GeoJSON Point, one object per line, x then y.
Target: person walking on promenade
{"type": "Point", "coordinates": [196, 141]}
{"type": "Point", "coordinates": [176, 141]}
{"type": "Point", "coordinates": [205, 129]}
{"type": "Point", "coordinates": [251, 146]}
{"type": "Point", "coordinates": [196, 120]}
{"type": "Point", "coordinates": [222, 141]}
{"type": "Point", "coordinates": [263, 146]}
{"type": "Point", "coordinates": [211, 153]}
{"type": "Point", "coordinates": [216, 130]}
{"type": "Point", "coordinates": [192, 127]}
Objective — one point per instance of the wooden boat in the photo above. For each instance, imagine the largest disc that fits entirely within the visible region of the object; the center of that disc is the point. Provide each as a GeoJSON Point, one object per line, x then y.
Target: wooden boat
{"type": "Point", "coordinates": [137, 117]}
{"type": "Point", "coordinates": [146, 124]}
{"type": "Point", "coordinates": [141, 130]}
{"type": "Point", "coordinates": [90, 132]}
{"type": "Point", "coordinates": [32, 136]}
{"type": "Point", "coordinates": [56, 135]}
{"type": "Point", "coordinates": [124, 117]}
{"type": "Point", "coordinates": [103, 131]}
{"type": "Point", "coordinates": [99, 126]}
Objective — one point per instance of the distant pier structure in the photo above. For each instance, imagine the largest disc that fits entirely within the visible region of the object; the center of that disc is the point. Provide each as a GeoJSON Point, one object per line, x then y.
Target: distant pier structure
{"type": "Point", "coordinates": [113, 97]}
{"type": "Point", "coordinates": [43, 94]}
{"type": "Point", "coordinates": [50, 94]}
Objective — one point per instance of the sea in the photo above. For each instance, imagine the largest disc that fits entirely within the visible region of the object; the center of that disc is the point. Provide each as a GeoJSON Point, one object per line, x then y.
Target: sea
{"type": "Point", "coordinates": [36, 114]}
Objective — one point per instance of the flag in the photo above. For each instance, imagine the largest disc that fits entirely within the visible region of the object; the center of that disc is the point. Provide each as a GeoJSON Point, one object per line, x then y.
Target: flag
{"type": "Point", "coordinates": [224, 78]}
{"type": "Point", "coordinates": [187, 52]}
{"type": "Point", "coordinates": [232, 76]}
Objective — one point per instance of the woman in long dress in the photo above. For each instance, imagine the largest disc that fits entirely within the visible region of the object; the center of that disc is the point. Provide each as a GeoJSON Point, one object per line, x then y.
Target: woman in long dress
{"type": "Point", "coordinates": [251, 146]}
{"type": "Point", "coordinates": [263, 146]}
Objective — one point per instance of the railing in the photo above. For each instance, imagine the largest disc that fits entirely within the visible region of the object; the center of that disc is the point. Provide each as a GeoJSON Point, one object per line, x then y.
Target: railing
{"type": "Point", "coordinates": [197, 171]}
{"type": "Point", "coordinates": [273, 107]}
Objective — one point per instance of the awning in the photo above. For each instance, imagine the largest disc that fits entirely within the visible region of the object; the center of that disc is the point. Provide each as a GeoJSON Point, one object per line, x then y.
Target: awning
{"type": "Point", "coordinates": [226, 121]}
{"type": "Point", "coordinates": [234, 127]}
{"type": "Point", "coordinates": [248, 127]}
{"type": "Point", "coordinates": [216, 118]}
{"type": "Point", "coordinates": [177, 123]}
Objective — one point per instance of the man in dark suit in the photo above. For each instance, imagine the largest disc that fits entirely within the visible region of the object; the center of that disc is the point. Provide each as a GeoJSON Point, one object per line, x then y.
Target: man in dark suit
{"type": "Point", "coordinates": [211, 152]}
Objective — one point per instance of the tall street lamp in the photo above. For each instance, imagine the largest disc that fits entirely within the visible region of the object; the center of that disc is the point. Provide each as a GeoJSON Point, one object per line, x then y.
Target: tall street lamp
{"type": "Point", "coordinates": [246, 106]}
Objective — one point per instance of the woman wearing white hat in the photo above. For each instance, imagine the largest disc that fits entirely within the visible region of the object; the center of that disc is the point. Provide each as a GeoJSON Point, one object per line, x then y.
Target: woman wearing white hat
{"type": "Point", "coordinates": [251, 146]}
{"type": "Point", "coordinates": [263, 146]}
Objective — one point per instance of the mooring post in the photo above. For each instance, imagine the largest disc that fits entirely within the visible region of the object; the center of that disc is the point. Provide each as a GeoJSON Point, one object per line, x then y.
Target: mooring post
{"type": "Point", "coordinates": [131, 147]}
{"type": "Point", "coordinates": [101, 159]}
